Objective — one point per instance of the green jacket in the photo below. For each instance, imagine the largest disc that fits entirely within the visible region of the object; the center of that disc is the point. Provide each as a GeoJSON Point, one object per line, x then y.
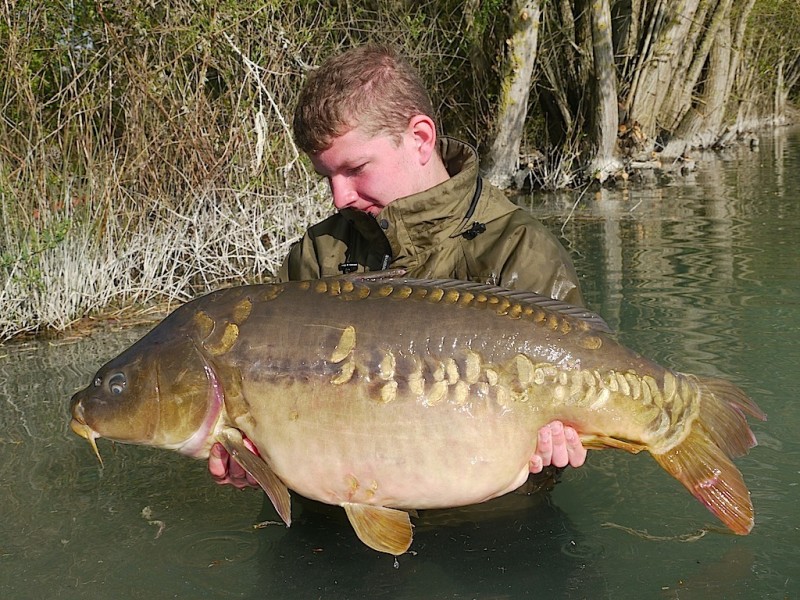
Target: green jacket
{"type": "Point", "coordinates": [462, 229]}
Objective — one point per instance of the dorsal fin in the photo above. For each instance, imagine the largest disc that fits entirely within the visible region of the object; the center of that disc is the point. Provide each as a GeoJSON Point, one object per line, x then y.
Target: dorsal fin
{"type": "Point", "coordinates": [371, 275]}
{"type": "Point", "coordinates": [560, 307]}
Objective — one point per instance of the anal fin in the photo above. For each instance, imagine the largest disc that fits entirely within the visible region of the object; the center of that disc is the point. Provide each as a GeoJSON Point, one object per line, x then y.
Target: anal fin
{"type": "Point", "coordinates": [383, 529]}
{"type": "Point", "coordinates": [276, 490]}
{"type": "Point", "coordinates": [599, 442]}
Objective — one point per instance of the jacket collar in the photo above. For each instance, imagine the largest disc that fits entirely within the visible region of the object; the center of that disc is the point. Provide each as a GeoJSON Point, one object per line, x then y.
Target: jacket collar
{"type": "Point", "coordinates": [416, 223]}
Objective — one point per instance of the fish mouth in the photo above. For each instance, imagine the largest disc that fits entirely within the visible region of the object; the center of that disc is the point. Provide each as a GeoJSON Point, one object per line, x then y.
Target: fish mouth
{"type": "Point", "coordinates": [79, 426]}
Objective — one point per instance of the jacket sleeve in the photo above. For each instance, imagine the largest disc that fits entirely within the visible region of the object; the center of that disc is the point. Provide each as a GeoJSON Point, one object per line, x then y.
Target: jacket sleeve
{"type": "Point", "coordinates": [318, 253]}
{"type": "Point", "coordinates": [300, 263]}
{"type": "Point", "coordinates": [555, 271]}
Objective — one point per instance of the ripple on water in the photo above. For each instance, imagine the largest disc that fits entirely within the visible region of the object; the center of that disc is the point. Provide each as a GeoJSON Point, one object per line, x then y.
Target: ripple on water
{"type": "Point", "coordinates": [218, 564]}
{"type": "Point", "coordinates": [583, 549]}
{"type": "Point", "coordinates": [215, 549]}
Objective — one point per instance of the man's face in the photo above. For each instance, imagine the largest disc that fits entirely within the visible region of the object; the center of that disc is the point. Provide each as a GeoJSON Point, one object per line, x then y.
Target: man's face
{"type": "Point", "coordinates": [368, 173]}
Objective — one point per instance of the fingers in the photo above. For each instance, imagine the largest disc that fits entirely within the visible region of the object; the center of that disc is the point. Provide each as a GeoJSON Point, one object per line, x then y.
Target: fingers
{"type": "Point", "coordinates": [559, 446]}
{"type": "Point", "coordinates": [218, 462]}
{"type": "Point", "coordinates": [558, 455]}
{"type": "Point", "coordinates": [543, 455]}
{"type": "Point", "coordinates": [535, 464]}
{"type": "Point", "coordinates": [224, 470]}
{"type": "Point", "coordinates": [576, 453]}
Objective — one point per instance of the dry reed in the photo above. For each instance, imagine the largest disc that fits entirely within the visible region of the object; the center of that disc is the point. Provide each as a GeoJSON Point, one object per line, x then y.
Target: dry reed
{"type": "Point", "coordinates": [145, 153]}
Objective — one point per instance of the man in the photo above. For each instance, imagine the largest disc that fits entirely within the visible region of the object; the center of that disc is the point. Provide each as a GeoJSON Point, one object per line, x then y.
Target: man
{"type": "Point", "coordinates": [408, 199]}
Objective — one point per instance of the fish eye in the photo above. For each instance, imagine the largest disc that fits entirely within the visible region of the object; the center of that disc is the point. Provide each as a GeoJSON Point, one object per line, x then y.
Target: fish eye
{"type": "Point", "coordinates": [116, 383]}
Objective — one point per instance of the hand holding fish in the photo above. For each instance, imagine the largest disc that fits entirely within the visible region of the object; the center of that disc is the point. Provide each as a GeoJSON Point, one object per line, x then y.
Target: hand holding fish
{"type": "Point", "coordinates": [557, 445]}
{"type": "Point", "coordinates": [224, 470]}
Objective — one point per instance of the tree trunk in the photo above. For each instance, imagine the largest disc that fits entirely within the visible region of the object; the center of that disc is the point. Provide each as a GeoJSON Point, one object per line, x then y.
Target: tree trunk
{"type": "Point", "coordinates": [687, 71]}
{"type": "Point", "coordinates": [738, 72]}
{"type": "Point", "coordinates": [625, 16]}
{"type": "Point", "coordinates": [604, 112]}
{"type": "Point", "coordinates": [503, 154]}
{"type": "Point", "coordinates": [670, 22]}
{"type": "Point", "coordinates": [787, 78]}
{"type": "Point", "coordinates": [716, 86]}
{"type": "Point", "coordinates": [780, 95]}
{"type": "Point", "coordinates": [702, 126]}
{"type": "Point", "coordinates": [566, 62]}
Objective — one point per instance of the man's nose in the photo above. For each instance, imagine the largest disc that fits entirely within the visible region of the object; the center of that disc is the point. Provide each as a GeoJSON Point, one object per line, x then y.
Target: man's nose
{"type": "Point", "coordinates": [344, 194]}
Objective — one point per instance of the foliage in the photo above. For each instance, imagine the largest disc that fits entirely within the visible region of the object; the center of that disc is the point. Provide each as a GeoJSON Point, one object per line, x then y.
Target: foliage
{"type": "Point", "coordinates": [121, 118]}
{"type": "Point", "coordinates": [774, 40]}
{"type": "Point", "coordinates": [145, 150]}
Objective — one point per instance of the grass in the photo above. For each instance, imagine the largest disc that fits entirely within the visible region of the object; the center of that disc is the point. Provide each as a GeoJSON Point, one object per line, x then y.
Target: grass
{"type": "Point", "coordinates": [217, 238]}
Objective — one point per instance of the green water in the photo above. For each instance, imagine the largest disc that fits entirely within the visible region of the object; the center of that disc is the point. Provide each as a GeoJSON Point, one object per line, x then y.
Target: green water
{"type": "Point", "coordinates": [701, 273]}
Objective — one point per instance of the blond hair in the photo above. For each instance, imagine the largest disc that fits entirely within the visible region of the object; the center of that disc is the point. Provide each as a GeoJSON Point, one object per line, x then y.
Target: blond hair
{"type": "Point", "coordinates": [370, 86]}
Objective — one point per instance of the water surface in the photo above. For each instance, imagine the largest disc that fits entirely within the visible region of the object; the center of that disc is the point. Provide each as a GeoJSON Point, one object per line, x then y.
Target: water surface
{"type": "Point", "coordinates": [701, 273]}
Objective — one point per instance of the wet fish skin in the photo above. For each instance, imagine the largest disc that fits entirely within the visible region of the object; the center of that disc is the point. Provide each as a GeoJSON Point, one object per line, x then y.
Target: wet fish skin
{"type": "Point", "coordinates": [403, 394]}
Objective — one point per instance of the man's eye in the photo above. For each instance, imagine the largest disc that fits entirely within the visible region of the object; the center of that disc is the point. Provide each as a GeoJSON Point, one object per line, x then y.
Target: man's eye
{"type": "Point", "coordinates": [353, 171]}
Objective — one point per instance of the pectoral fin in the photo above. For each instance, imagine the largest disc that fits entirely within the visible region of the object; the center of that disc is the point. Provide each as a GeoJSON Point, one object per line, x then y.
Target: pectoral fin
{"type": "Point", "coordinates": [277, 492]}
{"type": "Point", "coordinates": [382, 529]}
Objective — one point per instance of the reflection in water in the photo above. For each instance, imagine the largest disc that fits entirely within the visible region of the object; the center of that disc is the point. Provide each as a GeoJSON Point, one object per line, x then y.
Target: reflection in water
{"type": "Point", "coordinates": [704, 277]}
{"type": "Point", "coordinates": [505, 549]}
{"type": "Point", "coordinates": [699, 273]}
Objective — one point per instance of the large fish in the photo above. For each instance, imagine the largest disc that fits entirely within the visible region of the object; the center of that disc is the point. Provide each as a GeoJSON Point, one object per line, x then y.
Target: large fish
{"type": "Point", "coordinates": [383, 396]}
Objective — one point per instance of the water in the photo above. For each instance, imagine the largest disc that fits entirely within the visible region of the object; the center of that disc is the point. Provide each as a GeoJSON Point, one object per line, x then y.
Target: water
{"type": "Point", "coordinates": [701, 273]}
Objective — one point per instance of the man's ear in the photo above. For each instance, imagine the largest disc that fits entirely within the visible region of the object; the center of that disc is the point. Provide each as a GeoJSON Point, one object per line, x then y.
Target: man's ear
{"type": "Point", "coordinates": [423, 132]}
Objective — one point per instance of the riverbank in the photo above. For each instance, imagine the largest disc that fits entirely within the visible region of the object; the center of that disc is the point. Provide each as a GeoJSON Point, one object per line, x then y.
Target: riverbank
{"type": "Point", "coordinates": [642, 159]}
{"type": "Point", "coordinates": [63, 275]}
{"type": "Point", "coordinates": [147, 154]}
{"type": "Point", "coordinates": [92, 260]}
{"type": "Point", "coordinates": [140, 266]}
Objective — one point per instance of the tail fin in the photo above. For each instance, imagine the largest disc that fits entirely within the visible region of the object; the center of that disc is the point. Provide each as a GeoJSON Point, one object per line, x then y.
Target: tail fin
{"type": "Point", "coordinates": [701, 462]}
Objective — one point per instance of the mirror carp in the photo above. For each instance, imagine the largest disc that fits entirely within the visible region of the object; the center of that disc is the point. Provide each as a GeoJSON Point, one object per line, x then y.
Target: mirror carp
{"type": "Point", "coordinates": [384, 396]}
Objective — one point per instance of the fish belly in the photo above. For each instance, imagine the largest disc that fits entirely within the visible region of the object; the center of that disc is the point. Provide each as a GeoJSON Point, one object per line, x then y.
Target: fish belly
{"type": "Point", "coordinates": [350, 446]}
